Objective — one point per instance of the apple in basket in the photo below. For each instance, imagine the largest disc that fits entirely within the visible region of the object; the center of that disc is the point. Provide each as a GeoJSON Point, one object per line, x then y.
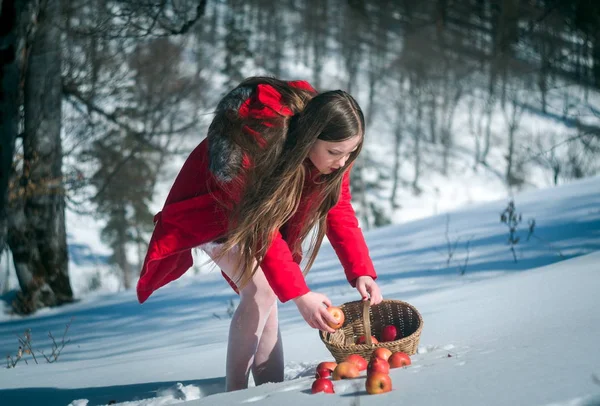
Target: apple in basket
{"type": "Point", "coordinates": [358, 360]}
{"type": "Point", "coordinates": [322, 385]}
{"type": "Point", "coordinates": [378, 365]}
{"type": "Point", "coordinates": [338, 315]}
{"type": "Point", "coordinates": [325, 369]}
{"type": "Point", "coordinates": [345, 370]}
{"type": "Point", "coordinates": [377, 383]}
{"type": "Point", "coordinates": [383, 353]}
{"type": "Point", "coordinates": [389, 333]}
{"type": "Point", "coordinates": [363, 340]}
{"type": "Point", "coordinates": [399, 359]}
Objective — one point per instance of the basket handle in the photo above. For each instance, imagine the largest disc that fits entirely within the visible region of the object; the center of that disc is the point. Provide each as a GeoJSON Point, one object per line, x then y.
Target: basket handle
{"type": "Point", "coordinates": [367, 321]}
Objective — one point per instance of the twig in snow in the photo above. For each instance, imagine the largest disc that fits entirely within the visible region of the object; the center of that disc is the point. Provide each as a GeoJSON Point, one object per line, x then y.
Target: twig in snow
{"type": "Point", "coordinates": [55, 347]}
{"type": "Point", "coordinates": [463, 267]}
{"type": "Point", "coordinates": [451, 247]}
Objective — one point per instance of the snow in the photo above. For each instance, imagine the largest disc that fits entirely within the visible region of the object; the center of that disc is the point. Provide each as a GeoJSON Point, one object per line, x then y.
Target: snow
{"type": "Point", "coordinates": [504, 333]}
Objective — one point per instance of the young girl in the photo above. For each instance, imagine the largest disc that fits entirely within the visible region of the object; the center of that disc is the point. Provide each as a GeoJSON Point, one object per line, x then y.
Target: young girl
{"type": "Point", "coordinates": [276, 162]}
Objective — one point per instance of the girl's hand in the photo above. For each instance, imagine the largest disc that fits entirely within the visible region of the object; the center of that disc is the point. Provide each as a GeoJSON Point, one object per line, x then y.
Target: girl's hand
{"type": "Point", "coordinates": [367, 288]}
{"type": "Point", "coordinates": [313, 307]}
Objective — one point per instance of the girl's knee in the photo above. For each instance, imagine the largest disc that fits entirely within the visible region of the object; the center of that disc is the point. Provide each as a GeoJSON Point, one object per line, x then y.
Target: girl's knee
{"type": "Point", "coordinates": [263, 298]}
{"type": "Point", "coordinates": [259, 292]}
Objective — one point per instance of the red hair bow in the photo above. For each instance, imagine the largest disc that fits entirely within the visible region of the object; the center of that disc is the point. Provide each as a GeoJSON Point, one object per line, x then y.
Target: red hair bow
{"type": "Point", "coordinates": [265, 104]}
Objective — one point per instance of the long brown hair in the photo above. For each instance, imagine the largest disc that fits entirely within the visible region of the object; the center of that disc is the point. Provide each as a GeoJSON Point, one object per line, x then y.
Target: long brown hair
{"type": "Point", "coordinates": [272, 186]}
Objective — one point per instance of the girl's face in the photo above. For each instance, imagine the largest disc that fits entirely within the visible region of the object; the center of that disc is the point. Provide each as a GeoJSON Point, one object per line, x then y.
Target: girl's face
{"type": "Point", "coordinates": [329, 156]}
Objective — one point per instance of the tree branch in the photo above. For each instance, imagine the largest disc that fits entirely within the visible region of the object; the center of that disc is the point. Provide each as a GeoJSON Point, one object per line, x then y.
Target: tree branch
{"type": "Point", "coordinates": [75, 93]}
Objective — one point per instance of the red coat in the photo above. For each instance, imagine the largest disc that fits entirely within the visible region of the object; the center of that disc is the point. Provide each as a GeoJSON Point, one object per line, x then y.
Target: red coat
{"type": "Point", "coordinates": [192, 217]}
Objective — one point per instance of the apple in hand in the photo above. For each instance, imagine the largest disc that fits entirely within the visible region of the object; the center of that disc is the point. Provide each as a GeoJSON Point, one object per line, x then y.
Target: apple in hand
{"type": "Point", "coordinates": [325, 369]}
{"type": "Point", "coordinates": [389, 333]}
{"type": "Point", "coordinates": [382, 353]}
{"type": "Point", "coordinates": [378, 382]}
{"type": "Point", "coordinates": [345, 370]}
{"type": "Point", "coordinates": [338, 315]}
{"type": "Point", "coordinates": [399, 359]}
{"type": "Point", "coordinates": [322, 385]}
{"type": "Point", "coordinates": [378, 365]}
{"type": "Point", "coordinates": [363, 340]}
{"type": "Point", "coordinates": [358, 360]}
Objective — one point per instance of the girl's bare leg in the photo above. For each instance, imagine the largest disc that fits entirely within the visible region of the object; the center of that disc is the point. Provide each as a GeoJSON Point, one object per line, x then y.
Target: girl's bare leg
{"type": "Point", "coordinates": [247, 325]}
{"type": "Point", "coordinates": [268, 360]}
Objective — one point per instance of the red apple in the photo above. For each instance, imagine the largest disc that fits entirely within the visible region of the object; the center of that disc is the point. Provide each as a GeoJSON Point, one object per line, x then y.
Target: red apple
{"type": "Point", "coordinates": [382, 353]}
{"type": "Point", "coordinates": [363, 340]}
{"type": "Point", "coordinates": [389, 333]}
{"type": "Point", "coordinates": [322, 385]}
{"type": "Point", "coordinates": [325, 369]}
{"type": "Point", "coordinates": [399, 359]}
{"type": "Point", "coordinates": [378, 365]}
{"type": "Point", "coordinates": [338, 315]}
{"type": "Point", "coordinates": [378, 382]}
{"type": "Point", "coordinates": [345, 370]}
{"type": "Point", "coordinates": [358, 360]}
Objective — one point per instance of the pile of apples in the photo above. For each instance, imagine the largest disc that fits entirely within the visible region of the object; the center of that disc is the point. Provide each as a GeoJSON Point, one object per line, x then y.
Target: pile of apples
{"type": "Point", "coordinates": [382, 359]}
{"type": "Point", "coordinates": [378, 369]}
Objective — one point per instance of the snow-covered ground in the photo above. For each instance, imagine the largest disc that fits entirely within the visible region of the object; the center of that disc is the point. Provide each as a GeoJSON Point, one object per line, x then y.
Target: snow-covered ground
{"type": "Point", "coordinates": [504, 333]}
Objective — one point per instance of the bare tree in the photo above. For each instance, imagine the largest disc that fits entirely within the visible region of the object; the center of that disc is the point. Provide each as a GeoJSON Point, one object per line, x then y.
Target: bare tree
{"type": "Point", "coordinates": [31, 57]}
{"type": "Point", "coordinates": [547, 156]}
{"type": "Point", "coordinates": [13, 25]}
{"type": "Point", "coordinates": [513, 112]}
{"type": "Point", "coordinates": [36, 228]}
{"type": "Point", "coordinates": [153, 93]}
{"type": "Point", "coordinates": [399, 129]}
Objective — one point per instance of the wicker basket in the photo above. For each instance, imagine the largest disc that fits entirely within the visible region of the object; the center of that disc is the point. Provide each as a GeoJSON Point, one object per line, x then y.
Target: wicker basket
{"type": "Point", "coordinates": [363, 319]}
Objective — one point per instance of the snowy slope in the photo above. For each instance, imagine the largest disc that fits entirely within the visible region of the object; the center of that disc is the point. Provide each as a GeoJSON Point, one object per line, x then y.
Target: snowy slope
{"type": "Point", "coordinates": [521, 333]}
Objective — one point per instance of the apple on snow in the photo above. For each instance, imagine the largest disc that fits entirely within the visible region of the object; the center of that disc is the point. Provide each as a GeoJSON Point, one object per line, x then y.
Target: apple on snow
{"type": "Point", "coordinates": [383, 353]}
{"type": "Point", "coordinates": [322, 385]}
{"type": "Point", "coordinates": [358, 360]}
{"type": "Point", "coordinates": [399, 359]}
{"type": "Point", "coordinates": [378, 365]}
{"type": "Point", "coordinates": [325, 369]}
{"type": "Point", "coordinates": [345, 370]}
{"type": "Point", "coordinates": [378, 382]}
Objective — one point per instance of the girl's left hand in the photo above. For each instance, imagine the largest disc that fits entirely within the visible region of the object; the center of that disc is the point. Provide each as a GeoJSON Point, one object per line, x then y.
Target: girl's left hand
{"type": "Point", "coordinates": [367, 287]}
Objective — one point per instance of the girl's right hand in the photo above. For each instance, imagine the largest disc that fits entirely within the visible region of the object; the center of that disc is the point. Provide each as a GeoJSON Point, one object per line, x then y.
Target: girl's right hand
{"type": "Point", "coordinates": [313, 307]}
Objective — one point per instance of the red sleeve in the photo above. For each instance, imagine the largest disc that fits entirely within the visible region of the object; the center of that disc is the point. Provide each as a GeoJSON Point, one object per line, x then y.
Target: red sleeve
{"type": "Point", "coordinates": [282, 273]}
{"type": "Point", "coordinates": [347, 238]}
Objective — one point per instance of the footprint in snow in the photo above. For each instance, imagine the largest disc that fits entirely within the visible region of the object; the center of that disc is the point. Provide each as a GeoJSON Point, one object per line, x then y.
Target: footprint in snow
{"type": "Point", "coordinates": [291, 388]}
{"type": "Point", "coordinates": [255, 399]}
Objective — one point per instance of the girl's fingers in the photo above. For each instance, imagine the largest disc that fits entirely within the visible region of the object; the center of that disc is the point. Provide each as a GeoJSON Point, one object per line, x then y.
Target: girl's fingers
{"type": "Point", "coordinates": [323, 323]}
{"type": "Point", "coordinates": [363, 292]}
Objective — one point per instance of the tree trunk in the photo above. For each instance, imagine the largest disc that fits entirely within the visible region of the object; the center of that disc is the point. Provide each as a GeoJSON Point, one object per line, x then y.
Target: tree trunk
{"type": "Point", "coordinates": [9, 112]}
{"type": "Point", "coordinates": [510, 153]}
{"type": "Point", "coordinates": [36, 234]}
{"type": "Point", "coordinates": [487, 141]}
{"type": "Point", "coordinates": [596, 59]}
{"type": "Point", "coordinates": [397, 160]}
{"type": "Point", "coordinates": [433, 136]}
{"type": "Point", "coordinates": [120, 247]}
{"type": "Point", "coordinates": [417, 139]}
{"type": "Point", "coordinates": [512, 121]}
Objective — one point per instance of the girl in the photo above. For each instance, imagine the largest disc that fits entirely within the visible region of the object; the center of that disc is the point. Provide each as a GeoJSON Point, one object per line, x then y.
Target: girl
{"type": "Point", "coordinates": [276, 162]}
